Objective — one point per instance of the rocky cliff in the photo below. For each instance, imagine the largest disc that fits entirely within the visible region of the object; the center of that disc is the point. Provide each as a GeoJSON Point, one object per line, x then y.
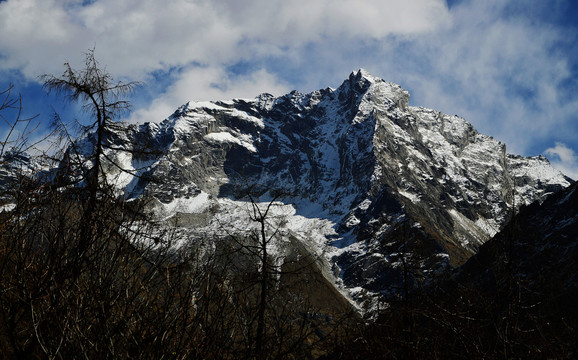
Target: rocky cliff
{"type": "Point", "coordinates": [383, 193]}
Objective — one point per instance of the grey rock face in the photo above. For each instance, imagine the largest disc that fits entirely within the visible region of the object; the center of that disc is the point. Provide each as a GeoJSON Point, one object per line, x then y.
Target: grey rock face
{"type": "Point", "coordinates": [408, 190]}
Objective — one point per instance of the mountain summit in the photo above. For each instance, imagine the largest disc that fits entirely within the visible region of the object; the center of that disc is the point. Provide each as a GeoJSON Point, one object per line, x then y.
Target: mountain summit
{"type": "Point", "coordinates": [371, 185]}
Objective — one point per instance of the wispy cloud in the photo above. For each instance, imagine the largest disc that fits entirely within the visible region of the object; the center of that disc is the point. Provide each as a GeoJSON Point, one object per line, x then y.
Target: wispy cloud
{"type": "Point", "coordinates": [208, 83]}
{"type": "Point", "coordinates": [565, 159]}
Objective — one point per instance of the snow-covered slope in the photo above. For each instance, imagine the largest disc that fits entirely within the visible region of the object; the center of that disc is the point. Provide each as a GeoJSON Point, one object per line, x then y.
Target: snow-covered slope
{"type": "Point", "coordinates": [369, 183]}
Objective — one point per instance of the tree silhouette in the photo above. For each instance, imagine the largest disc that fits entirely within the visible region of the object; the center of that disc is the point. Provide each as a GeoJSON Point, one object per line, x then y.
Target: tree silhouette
{"type": "Point", "coordinates": [102, 99]}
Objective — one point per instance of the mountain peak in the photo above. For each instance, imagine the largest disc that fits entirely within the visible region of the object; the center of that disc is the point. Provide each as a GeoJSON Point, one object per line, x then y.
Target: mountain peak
{"type": "Point", "coordinates": [361, 80]}
{"type": "Point", "coordinates": [376, 90]}
{"type": "Point", "coordinates": [362, 73]}
{"type": "Point", "coordinates": [362, 168]}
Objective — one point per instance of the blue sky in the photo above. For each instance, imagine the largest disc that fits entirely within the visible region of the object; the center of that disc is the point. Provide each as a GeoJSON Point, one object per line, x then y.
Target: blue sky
{"type": "Point", "coordinates": [510, 67]}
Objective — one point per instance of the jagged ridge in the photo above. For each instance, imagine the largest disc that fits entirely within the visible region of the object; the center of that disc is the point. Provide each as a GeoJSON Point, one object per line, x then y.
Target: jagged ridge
{"type": "Point", "coordinates": [371, 179]}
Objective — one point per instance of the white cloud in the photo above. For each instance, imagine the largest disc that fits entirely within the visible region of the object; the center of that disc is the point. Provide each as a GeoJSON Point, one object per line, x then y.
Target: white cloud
{"type": "Point", "coordinates": [207, 83]}
{"type": "Point", "coordinates": [301, 21]}
{"type": "Point", "coordinates": [32, 33]}
{"type": "Point", "coordinates": [133, 37]}
{"type": "Point", "coordinates": [564, 159]}
{"type": "Point", "coordinates": [138, 36]}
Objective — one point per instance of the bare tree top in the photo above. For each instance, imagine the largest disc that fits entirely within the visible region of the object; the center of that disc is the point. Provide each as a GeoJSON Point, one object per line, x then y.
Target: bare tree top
{"type": "Point", "coordinates": [101, 96]}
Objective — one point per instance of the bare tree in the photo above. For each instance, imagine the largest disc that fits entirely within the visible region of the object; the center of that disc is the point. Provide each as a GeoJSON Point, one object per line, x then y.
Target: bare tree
{"type": "Point", "coordinates": [261, 215]}
{"type": "Point", "coordinates": [81, 273]}
{"type": "Point", "coordinates": [103, 100]}
{"type": "Point", "coordinates": [283, 306]}
{"type": "Point", "coordinates": [19, 128]}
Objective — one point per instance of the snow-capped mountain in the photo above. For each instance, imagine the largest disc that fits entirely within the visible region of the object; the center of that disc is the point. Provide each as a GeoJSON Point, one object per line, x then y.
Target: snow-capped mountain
{"type": "Point", "coordinates": [370, 184]}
